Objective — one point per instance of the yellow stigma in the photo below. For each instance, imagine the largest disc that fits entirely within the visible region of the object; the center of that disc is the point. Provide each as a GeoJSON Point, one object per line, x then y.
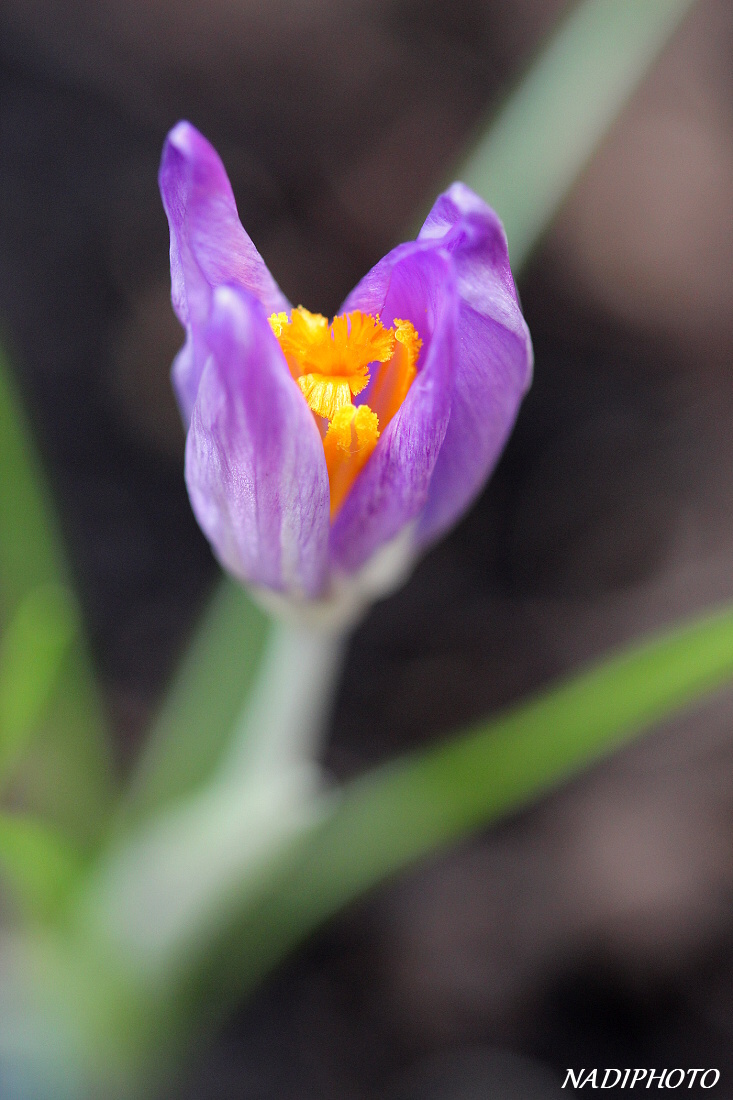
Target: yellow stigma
{"type": "Point", "coordinates": [331, 365]}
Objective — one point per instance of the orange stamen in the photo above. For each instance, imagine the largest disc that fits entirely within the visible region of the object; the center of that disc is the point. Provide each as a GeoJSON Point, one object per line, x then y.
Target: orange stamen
{"type": "Point", "coordinates": [394, 379]}
{"type": "Point", "coordinates": [350, 439]}
{"type": "Point", "coordinates": [331, 365]}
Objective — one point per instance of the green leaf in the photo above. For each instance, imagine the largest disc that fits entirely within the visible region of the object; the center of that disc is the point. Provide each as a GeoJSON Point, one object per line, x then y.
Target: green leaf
{"type": "Point", "coordinates": [411, 808]}
{"type": "Point", "coordinates": [200, 712]}
{"type": "Point", "coordinates": [32, 652]}
{"type": "Point", "coordinates": [70, 778]}
{"type": "Point", "coordinates": [37, 864]}
{"type": "Point", "coordinates": [30, 549]}
{"type": "Point", "coordinates": [526, 161]}
{"type": "Point", "coordinates": [351, 840]}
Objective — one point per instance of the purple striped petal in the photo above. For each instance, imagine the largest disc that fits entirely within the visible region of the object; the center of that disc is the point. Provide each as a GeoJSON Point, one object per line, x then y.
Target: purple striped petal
{"type": "Point", "coordinates": [370, 292]}
{"type": "Point", "coordinates": [393, 487]}
{"type": "Point", "coordinates": [494, 367]}
{"type": "Point", "coordinates": [209, 248]}
{"type": "Point", "coordinates": [255, 467]}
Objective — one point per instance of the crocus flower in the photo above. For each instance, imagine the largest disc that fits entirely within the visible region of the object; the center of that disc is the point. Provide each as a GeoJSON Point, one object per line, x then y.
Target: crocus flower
{"type": "Point", "coordinates": [322, 459]}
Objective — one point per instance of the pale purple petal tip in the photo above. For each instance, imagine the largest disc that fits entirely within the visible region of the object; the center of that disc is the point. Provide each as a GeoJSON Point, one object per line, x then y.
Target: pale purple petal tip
{"type": "Point", "coordinates": [494, 366]}
{"type": "Point", "coordinates": [208, 248]}
{"type": "Point", "coordinates": [255, 467]}
{"type": "Point", "coordinates": [492, 352]}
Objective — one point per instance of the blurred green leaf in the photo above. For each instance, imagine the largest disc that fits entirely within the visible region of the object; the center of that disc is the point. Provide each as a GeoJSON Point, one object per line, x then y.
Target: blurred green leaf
{"type": "Point", "coordinates": [351, 840]}
{"type": "Point", "coordinates": [37, 865]}
{"type": "Point", "coordinates": [411, 808]}
{"type": "Point", "coordinates": [200, 712]}
{"type": "Point", "coordinates": [70, 779]}
{"type": "Point", "coordinates": [32, 651]}
{"type": "Point", "coordinates": [31, 555]}
{"type": "Point", "coordinates": [527, 160]}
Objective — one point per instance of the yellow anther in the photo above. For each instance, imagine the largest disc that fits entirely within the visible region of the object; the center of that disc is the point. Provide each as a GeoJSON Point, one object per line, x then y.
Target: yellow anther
{"type": "Point", "coordinates": [392, 382]}
{"type": "Point", "coordinates": [326, 394]}
{"type": "Point", "coordinates": [278, 322]}
{"type": "Point", "coordinates": [331, 365]}
{"type": "Point", "coordinates": [407, 335]}
{"type": "Point", "coordinates": [349, 441]}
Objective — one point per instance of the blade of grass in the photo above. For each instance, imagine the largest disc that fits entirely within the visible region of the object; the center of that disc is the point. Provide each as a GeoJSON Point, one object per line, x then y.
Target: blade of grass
{"type": "Point", "coordinates": [30, 548]}
{"type": "Point", "coordinates": [32, 652]}
{"type": "Point", "coordinates": [202, 707]}
{"type": "Point", "coordinates": [76, 792]}
{"type": "Point", "coordinates": [409, 809]}
{"type": "Point", "coordinates": [37, 864]}
{"type": "Point", "coordinates": [375, 827]}
{"type": "Point", "coordinates": [526, 161]}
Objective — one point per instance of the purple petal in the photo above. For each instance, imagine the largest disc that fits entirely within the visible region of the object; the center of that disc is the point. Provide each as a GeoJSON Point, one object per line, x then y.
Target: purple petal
{"type": "Point", "coordinates": [209, 247]}
{"type": "Point", "coordinates": [393, 486]}
{"type": "Point", "coordinates": [370, 292]}
{"type": "Point", "coordinates": [255, 467]}
{"type": "Point", "coordinates": [494, 367]}
{"type": "Point", "coordinates": [494, 352]}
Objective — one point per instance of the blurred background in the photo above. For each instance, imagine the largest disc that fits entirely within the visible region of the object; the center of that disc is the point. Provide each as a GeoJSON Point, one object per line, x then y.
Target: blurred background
{"type": "Point", "coordinates": [597, 928]}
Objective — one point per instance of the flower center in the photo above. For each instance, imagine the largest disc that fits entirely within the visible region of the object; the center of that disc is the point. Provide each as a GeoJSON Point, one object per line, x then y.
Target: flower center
{"type": "Point", "coordinates": [331, 364]}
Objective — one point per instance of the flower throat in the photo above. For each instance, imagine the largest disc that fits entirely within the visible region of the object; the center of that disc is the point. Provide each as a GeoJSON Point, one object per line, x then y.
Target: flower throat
{"type": "Point", "coordinates": [331, 364]}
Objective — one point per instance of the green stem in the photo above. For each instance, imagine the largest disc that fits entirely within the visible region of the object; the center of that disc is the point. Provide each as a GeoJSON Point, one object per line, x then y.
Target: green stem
{"type": "Point", "coordinates": [103, 983]}
{"type": "Point", "coordinates": [285, 716]}
{"type": "Point", "coordinates": [161, 889]}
